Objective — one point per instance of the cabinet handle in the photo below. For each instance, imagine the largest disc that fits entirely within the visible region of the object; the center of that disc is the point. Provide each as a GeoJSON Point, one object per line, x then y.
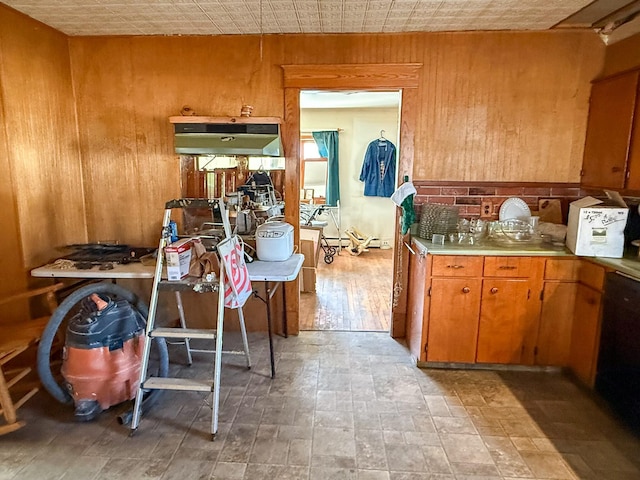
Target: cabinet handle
{"type": "Point", "coordinates": [466, 290]}
{"type": "Point", "coordinates": [507, 267]}
{"type": "Point", "coordinates": [455, 266]}
{"type": "Point", "coordinates": [494, 290]}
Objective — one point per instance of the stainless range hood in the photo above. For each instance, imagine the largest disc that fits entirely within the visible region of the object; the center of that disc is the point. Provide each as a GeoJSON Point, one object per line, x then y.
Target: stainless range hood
{"type": "Point", "coordinates": [227, 136]}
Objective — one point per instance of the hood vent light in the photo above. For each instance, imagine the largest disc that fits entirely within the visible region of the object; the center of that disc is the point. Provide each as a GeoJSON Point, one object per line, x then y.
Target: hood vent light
{"type": "Point", "coordinates": [250, 136]}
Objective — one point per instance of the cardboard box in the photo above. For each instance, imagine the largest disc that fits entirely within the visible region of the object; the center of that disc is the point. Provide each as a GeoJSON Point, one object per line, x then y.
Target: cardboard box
{"type": "Point", "coordinates": [310, 245]}
{"type": "Point", "coordinates": [178, 256]}
{"type": "Point", "coordinates": [596, 228]}
{"type": "Point", "coordinates": [308, 279]}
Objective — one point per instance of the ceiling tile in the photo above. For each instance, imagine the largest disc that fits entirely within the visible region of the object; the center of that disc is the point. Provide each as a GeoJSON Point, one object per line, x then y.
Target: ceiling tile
{"type": "Point", "coordinates": [167, 17]}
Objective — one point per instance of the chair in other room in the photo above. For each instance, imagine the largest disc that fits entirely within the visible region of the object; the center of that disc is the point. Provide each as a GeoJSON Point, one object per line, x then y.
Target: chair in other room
{"type": "Point", "coordinates": [17, 339]}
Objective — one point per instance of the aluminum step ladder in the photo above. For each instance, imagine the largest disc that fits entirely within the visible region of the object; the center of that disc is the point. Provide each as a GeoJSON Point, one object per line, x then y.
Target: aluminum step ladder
{"type": "Point", "coordinates": [217, 285]}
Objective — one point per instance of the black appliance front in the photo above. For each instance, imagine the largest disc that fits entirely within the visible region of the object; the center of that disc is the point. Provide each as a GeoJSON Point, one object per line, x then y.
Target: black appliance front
{"type": "Point", "coordinates": [618, 374]}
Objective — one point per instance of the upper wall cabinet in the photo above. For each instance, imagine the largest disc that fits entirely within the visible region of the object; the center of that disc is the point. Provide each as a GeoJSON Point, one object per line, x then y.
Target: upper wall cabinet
{"type": "Point", "coordinates": [612, 147]}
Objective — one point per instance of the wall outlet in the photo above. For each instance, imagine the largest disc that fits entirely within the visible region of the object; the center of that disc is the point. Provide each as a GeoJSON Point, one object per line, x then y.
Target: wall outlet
{"type": "Point", "coordinates": [385, 243]}
{"type": "Point", "coordinates": [486, 209]}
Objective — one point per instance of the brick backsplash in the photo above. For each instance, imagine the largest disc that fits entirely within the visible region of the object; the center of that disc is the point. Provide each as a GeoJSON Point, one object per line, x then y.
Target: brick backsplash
{"type": "Point", "coordinates": [468, 197]}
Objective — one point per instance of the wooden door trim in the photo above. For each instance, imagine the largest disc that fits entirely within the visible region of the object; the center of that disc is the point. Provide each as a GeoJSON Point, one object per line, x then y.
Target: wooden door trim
{"type": "Point", "coordinates": [365, 76]}
{"type": "Point", "coordinates": [403, 77]}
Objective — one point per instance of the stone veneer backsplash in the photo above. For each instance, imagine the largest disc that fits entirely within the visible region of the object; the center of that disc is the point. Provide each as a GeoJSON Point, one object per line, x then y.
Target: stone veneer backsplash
{"type": "Point", "coordinates": [468, 196]}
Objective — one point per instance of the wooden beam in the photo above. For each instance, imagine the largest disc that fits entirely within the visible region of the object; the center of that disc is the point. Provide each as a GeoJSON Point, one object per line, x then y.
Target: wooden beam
{"type": "Point", "coordinates": [356, 76]}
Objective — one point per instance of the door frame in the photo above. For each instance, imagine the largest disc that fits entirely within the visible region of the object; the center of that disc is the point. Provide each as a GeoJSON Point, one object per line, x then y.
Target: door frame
{"type": "Point", "coordinates": [372, 77]}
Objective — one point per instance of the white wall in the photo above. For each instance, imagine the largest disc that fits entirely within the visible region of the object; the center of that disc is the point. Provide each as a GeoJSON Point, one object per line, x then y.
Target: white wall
{"type": "Point", "coordinates": [372, 216]}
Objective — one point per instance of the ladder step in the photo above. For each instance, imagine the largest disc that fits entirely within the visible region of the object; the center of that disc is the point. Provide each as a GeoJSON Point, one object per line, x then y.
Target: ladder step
{"type": "Point", "coordinates": [166, 332]}
{"type": "Point", "coordinates": [184, 384]}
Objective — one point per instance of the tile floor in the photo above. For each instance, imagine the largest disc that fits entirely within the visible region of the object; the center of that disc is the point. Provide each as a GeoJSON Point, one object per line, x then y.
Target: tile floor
{"type": "Point", "coordinates": [343, 405]}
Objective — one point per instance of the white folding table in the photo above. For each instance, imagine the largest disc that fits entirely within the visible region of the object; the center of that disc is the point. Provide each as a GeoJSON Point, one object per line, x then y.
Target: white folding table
{"type": "Point", "coordinates": [273, 274]}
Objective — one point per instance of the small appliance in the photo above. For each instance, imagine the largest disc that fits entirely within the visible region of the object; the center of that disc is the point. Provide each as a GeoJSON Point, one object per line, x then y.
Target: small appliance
{"type": "Point", "coordinates": [274, 241]}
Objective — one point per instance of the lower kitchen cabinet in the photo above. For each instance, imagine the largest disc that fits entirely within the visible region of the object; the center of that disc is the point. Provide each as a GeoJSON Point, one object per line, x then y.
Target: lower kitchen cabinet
{"type": "Point", "coordinates": [506, 310]}
{"type": "Point", "coordinates": [417, 303]}
{"type": "Point", "coordinates": [585, 335]}
{"type": "Point", "coordinates": [556, 323]}
{"type": "Point", "coordinates": [505, 321]}
{"type": "Point", "coordinates": [556, 317]}
{"type": "Point", "coordinates": [474, 317]}
{"type": "Point", "coordinates": [453, 325]}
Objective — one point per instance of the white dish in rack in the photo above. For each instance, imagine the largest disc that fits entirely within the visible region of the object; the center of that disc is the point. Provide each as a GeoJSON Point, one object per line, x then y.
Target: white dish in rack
{"type": "Point", "coordinates": [514, 208]}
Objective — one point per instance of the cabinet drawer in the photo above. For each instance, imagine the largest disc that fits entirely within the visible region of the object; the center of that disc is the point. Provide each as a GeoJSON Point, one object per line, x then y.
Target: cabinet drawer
{"type": "Point", "coordinates": [592, 275]}
{"type": "Point", "coordinates": [509, 266]}
{"type": "Point", "coordinates": [456, 266]}
{"type": "Point", "coordinates": [562, 269]}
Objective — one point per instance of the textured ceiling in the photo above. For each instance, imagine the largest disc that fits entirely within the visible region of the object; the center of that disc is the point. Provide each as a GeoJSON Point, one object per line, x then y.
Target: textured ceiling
{"type": "Point", "coordinates": [216, 17]}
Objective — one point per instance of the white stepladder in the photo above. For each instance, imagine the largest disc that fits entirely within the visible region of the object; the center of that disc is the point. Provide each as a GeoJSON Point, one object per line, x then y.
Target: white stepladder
{"type": "Point", "coordinates": [220, 285]}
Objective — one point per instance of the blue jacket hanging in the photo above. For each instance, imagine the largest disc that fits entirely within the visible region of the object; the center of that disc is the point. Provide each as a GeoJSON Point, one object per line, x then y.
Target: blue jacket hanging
{"type": "Point", "coordinates": [379, 169]}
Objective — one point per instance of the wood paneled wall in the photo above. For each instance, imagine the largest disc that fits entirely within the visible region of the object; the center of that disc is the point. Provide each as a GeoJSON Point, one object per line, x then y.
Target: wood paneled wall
{"type": "Point", "coordinates": [492, 106]}
{"type": "Point", "coordinates": [622, 55]}
{"type": "Point", "coordinates": [41, 185]}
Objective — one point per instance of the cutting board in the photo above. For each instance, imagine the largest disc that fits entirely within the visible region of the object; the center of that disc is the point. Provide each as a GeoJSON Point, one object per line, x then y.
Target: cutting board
{"type": "Point", "coordinates": [550, 210]}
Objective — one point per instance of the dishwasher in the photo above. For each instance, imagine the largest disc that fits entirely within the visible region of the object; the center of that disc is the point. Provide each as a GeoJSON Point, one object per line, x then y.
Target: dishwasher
{"type": "Point", "coordinates": [618, 372]}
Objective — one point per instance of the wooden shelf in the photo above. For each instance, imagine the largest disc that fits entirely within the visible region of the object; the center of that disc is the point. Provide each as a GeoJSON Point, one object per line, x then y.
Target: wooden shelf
{"type": "Point", "coordinates": [199, 119]}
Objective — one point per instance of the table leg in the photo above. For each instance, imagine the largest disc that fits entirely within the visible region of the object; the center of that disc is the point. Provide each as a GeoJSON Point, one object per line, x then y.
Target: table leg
{"type": "Point", "coordinates": [268, 302]}
{"type": "Point", "coordinates": [285, 328]}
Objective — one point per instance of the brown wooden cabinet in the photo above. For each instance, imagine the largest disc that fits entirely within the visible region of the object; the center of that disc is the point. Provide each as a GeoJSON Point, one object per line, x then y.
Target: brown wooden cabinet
{"type": "Point", "coordinates": [504, 321]}
{"type": "Point", "coordinates": [483, 309]}
{"type": "Point", "coordinates": [506, 310]}
{"type": "Point", "coordinates": [455, 305]}
{"type": "Point", "coordinates": [612, 150]}
{"type": "Point", "coordinates": [585, 335]}
{"type": "Point", "coordinates": [453, 326]}
{"type": "Point", "coordinates": [417, 303]}
{"type": "Point", "coordinates": [556, 317]}
{"type": "Point", "coordinates": [510, 309]}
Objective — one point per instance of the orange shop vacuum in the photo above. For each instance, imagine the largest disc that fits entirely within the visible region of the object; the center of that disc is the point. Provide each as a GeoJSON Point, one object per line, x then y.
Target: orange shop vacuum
{"type": "Point", "coordinates": [102, 355]}
{"type": "Point", "coordinates": [103, 350]}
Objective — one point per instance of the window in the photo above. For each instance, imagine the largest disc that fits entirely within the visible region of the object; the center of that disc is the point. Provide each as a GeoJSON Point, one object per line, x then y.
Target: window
{"type": "Point", "coordinates": [313, 169]}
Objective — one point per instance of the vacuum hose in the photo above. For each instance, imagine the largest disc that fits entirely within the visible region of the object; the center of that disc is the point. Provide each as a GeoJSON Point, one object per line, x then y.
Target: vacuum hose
{"type": "Point", "coordinates": [44, 347]}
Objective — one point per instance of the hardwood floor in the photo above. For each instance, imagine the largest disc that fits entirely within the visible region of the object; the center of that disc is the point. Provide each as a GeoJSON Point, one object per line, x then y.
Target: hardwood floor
{"type": "Point", "coordinates": [353, 293]}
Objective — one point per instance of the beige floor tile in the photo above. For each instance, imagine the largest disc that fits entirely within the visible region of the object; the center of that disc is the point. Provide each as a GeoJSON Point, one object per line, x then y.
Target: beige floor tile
{"type": "Point", "coordinates": [344, 405]}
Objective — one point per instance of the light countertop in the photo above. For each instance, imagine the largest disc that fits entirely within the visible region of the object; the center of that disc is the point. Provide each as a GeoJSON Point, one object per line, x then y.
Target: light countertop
{"type": "Point", "coordinates": [488, 248]}
{"type": "Point", "coordinates": [629, 265]}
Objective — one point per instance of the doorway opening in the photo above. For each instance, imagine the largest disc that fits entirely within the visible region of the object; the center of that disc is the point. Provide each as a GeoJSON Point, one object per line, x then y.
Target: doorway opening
{"type": "Point", "coordinates": [353, 291]}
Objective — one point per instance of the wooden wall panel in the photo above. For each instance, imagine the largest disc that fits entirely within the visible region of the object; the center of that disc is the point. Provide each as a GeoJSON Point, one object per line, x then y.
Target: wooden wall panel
{"type": "Point", "coordinates": [40, 129]}
{"type": "Point", "coordinates": [12, 280]}
{"type": "Point", "coordinates": [505, 106]}
{"type": "Point", "coordinates": [622, 55]}
{"type": "Point", "coordinates": [490, 106]}
{"type": "Point", "coordinates": [107, 111]}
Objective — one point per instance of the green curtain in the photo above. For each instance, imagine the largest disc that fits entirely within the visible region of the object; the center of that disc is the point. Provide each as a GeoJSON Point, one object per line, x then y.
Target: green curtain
{"type": "Point", "coordinates": [327, 142]}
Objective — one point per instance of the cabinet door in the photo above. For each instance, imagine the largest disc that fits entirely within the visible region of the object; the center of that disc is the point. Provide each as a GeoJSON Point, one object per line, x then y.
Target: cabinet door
{"type": "Point", "coordinates": [453, 319]}
{"type": "Point", "coordinates": [562, 268]}
{"type": "Point", "coordinates": [505, 321]}
{"type": "Point", "coordinates": [556, 321]}
{"type": "Point", "coordinates": [633, 162]}
{"type": "Point", "coordinates": [609, 128]}
{"type": "Point", "coordinates": [585, 335]}
{"type": "Point", "coordinates": [417, 306]}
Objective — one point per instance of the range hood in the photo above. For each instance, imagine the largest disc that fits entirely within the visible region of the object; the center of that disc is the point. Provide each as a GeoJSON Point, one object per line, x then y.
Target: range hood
{"type": "Point", "coordinates": [258, 136]}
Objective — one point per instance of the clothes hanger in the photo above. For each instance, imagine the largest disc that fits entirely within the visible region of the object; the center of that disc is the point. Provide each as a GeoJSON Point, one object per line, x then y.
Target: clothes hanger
{"type": "Point", "coordinates": [382, 139]}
